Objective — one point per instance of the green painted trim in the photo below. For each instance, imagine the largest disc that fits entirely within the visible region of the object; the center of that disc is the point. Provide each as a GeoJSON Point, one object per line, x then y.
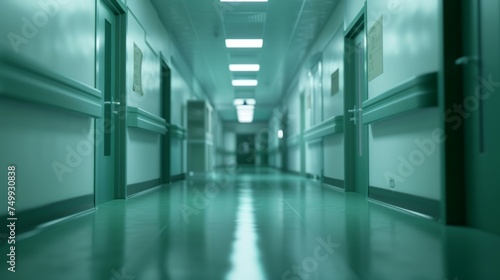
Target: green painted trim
{"type": "Point", "coordinates": [143, 186]}
{"type": "Point", "coordinates": [23, 80]}
{"type": "Point", "coordinates": [29, 219]}
{"type": "Point", "coordinates": [177, 178]}
{"type": "Point", "coordinates": [139, 118]}
{"type": "Point", "coordinates": [359, 20]}
{"type": "Point", "coordinates": [422, 205]}
{"type": "Point", "coordinates": [177, 132]}
{"type": "Point", "coordinates": [117, 6]}
{"type": "Point", "coordinates": [328, 127]}
{"type": "Point", "coordinates": [334, 182]}
{"type": "Point", "coordinates": [415, 93]}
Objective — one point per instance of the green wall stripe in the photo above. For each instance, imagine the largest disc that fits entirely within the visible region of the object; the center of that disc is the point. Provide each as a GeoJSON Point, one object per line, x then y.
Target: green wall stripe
{"type": "Point", "coordinates": [29, 82]}
{"type": "Point", "coordinates": [418, 92]}
{"type": "Point", "coordinates": [139, 118]}
{"type": "Point", "coordinates": [29, 219]}
{"type": "Point", "coordinates": [426, 206]}
{"type": "Point", "coordinates": [143, 186]}
{"type": "Point", "coordinates": [330, 126]}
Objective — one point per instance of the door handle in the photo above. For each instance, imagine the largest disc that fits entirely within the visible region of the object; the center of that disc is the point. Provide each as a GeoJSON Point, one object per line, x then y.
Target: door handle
{"type": "Point", "coordinates": [464, 60]}
{"type": "Point", "coordinates": [116, 103]}
{"type": "Point", "coordinates": [112, 106]}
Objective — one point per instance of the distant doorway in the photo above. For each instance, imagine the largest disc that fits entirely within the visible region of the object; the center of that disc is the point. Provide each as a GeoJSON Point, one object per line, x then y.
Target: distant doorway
{"type": "Point", "coordinates": [245, 149]}
{"type": "Point", "coordinates": [356, 134]}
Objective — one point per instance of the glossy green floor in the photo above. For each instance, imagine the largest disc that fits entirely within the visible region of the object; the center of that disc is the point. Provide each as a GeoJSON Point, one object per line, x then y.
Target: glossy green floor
{"type": "Point", "coordinates": [252, 224]}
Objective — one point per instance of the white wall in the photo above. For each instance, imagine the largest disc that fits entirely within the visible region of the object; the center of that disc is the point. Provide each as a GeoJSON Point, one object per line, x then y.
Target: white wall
{"type": "Point", "coordinates": [410, 40]}
{"type": "Point", "coordinates": [143, 148]}
{"type": "Point", "coordinates": [410, 49]}
{"type": "Point", "coordinates": [34, 29]}
{"type": "Point", "coordinates": [45, 143]}
{"type": "Point", "coordinates": [326, 155]}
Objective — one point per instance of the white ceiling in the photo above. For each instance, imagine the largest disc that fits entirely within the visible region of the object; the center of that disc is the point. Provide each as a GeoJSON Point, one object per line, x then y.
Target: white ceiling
{"type": "Point", "coordinates": [288, 27]}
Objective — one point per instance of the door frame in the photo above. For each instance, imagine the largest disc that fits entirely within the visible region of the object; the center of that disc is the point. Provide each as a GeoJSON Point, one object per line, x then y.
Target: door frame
{"type": "Point", "coordinates": [302, 108]}
{"type": "Point", "coordinates": [354, 167]}
{"type": "Point", "coordinates": [120, 13]}
{"type": "Point", "coordinates": [166, 109]}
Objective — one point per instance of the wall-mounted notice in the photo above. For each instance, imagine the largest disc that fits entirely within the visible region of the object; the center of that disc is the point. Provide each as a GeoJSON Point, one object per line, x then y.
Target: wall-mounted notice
{"type": "Point", "coordinates": [137, 70]}
{"type": "Point", "coordinates": [376, 50]}
{"type": "Point", "coordinates": [335, 82]}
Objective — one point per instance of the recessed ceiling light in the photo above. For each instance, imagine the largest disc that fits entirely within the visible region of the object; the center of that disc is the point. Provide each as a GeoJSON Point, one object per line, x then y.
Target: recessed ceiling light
{"type": "Point", "coordinates": [244, 43]}
{"type": "Point", "coordinates": [245, 83]}
{"type": "Point", "coordinates": [243, 0]}
{"type": "Point", "coordinates": [244, 67]}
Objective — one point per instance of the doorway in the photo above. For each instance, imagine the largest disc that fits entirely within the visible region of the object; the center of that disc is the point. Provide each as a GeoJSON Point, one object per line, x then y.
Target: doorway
{"type": "Point", "coordinates": [245, 149]}
{"type": "Point", "coordinates": [165, 113]}
{"type": "Point", "coordinates": [481, 76]}
{"type": "Point", "coordinates": [356, 134]}
{"type": "Point", "coordinates": [109, 129]}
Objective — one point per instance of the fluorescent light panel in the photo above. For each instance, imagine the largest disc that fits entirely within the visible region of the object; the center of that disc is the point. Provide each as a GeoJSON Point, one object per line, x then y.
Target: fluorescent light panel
{"type": "Point", "coordinates": [245, 83]}
{"type": "Point", "coordinates": [244, 67]}
{"type": "Point", "coordinates": [244, 43]}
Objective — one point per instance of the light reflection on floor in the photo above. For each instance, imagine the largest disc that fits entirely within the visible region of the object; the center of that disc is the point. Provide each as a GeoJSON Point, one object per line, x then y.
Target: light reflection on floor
{"type": "Point", "coordinates": [245, 256]}
{"type": "Point", "coordinates": [260, 225]}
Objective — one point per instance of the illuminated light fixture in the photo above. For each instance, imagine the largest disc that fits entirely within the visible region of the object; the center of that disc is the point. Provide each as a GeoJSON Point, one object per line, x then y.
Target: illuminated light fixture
{"type": "Point", "coordinates": [245, 116]}
{"type": "Point", "coordinates": [245, 109]}
{"type": "Point", "coordinates": [243, 0]}
{"type": "Point", "coordinates": [245, 83]}
{"type": "Point", "coordinates": [244, 43]}
{"type": "Point", "coordinates": [280, 134]}
{"type": "Point", "coordinates": [241, 101]}
{"type": "Point", "coordinates": [244, 67]}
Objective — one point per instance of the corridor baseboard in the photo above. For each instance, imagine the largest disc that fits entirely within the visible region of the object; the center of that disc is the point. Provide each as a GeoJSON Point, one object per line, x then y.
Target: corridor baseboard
{"type": "Point", "coordinates": [334, 182]}
{"type": "Point", "coordinates": [30, 219]}
{"type": "Point", "coordinates": [426, 206]}
{"type": "Point", "coordinates": [143, 186]}
{"type": "Point", "coordinates": [179, 177]}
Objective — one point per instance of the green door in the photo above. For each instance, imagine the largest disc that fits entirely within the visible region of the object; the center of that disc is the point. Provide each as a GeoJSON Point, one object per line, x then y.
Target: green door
{"type": "Point", "coordinates": [481, 65]}
{"type": "Point", "coordinates": [106, 127]}
{"type": "Point", "coordinates": [166, 110]}
{"type": "Point", "coordinates": [356, 145]}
